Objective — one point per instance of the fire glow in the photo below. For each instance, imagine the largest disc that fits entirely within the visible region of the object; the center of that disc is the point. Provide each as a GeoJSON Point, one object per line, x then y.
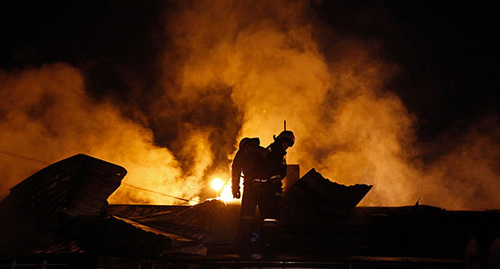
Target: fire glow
{"type": "Point", "coordinates": [223, 189]}
{"type": "Point", "coordinates": [237, 69]}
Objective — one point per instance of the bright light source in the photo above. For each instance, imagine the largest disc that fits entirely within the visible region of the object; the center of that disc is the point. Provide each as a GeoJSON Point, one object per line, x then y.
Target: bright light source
{"type": "Point", "coordinates": [227, 195]}
{"type": "Point", "coordinates": [217, 184]}
{"type": "Point", "coordinates": [223, 191]}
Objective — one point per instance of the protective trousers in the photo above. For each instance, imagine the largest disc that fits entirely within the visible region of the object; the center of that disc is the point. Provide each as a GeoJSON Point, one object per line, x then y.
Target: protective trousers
{"type": "Point", "coordinates": [267, 196]}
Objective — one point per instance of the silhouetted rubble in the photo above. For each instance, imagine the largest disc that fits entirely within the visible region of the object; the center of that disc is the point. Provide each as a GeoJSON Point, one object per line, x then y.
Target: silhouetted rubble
{"type": "Point", "coordinates": [46, 211]}
{"type": "Point", "coordinates": [60, 214]}
{"type": "Point", "coordinates": [313, 200]}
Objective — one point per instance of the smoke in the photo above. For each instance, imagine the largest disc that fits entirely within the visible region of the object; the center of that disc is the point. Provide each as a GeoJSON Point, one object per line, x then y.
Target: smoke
{"type": "Point", "coordinates": [47, 116]}
{"type": "Point", "coordinates": [257, 51]}
{"type": "Point", "coordinates": [347, 125]}
{"type": "Point", "coordinates": [223, 70]}
{"type": "Point", "coordinates": [467, 176]}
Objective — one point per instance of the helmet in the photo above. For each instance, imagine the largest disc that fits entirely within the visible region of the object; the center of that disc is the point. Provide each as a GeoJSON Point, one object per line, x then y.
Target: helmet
{"type": "Point", "coordinates": [243, 142]}
{"type": "Point", "coordinates": [288, 136]}
{"type": "Point", "coordinates": [249, 141]}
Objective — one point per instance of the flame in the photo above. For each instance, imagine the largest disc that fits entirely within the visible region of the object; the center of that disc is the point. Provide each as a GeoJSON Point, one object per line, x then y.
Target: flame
{"type": "Point", "coordinates": [227, 195]}
{"type": "Point", "coordinates": [217, 184]}
{"type": "Point", "coordinates": [223, 189]}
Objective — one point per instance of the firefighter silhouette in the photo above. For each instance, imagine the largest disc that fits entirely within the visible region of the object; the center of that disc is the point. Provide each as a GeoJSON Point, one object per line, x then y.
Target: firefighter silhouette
{"type": "Point", "coordinates": [262, 170]}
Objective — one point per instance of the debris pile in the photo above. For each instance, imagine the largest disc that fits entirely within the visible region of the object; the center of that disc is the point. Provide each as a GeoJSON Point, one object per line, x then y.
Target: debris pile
{"type": "Point", "coordinates": [45, 212]}
{"type": "Point", "coordinates": [313, 200]}
{"type": "Point", "coordinates": [62, 210]}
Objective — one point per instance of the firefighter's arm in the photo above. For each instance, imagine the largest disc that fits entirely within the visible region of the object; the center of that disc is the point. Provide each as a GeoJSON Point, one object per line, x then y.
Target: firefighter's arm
{"type": "Point", "coordinates": [279, 172]}
{"type": "Point", "coordinates": [283, 169]}
{"type": "Point", "coordinates": [235, 184]}
{"type": "Point", "coordinates": [235, 176]}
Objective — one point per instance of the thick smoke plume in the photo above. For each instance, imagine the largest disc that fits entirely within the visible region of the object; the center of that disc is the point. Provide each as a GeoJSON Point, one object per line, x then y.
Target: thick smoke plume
{"type": "Point", "coordinates": [46, 116]}
{"type": "Point", "coordinates": [230, 69]}
{"type": "Point", "coordinates": [347, 125]}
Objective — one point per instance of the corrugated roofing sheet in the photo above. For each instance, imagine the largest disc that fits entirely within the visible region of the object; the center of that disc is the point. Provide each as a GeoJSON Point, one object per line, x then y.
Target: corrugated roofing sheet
{"type": "Point", "coordinates": [48, 208]}
{"type": "Point", "coordinates": [314, 199]}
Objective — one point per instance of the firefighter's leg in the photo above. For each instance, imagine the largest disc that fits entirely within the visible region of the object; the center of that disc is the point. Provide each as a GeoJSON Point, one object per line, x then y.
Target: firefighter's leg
{"type": "Point", "coordinates": [269, 203]}
{"type": "Point", "coordinates": [247, 213]}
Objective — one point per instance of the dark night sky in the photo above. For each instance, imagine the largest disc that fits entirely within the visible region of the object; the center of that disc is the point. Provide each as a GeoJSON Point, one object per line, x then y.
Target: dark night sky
{"type": "Point", "coordinates": [446, 48]}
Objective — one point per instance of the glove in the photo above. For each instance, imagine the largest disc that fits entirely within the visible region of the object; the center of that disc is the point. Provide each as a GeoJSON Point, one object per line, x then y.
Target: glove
{"type": "Point", "coordinates": [236, 194]}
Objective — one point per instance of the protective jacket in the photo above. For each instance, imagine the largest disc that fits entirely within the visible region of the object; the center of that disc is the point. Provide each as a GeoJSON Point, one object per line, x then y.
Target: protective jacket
{"type": "Point", "coordinates": [247, 162]}
{"type": "Point", "coordinates": [263, 170]}
{"type": "Point", "coordinates": [274, 164]}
